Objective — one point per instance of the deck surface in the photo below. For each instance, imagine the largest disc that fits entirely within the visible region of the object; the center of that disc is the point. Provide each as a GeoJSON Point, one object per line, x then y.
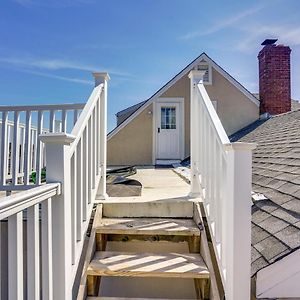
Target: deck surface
{"type": "Point", "coordinates": [157, 185]}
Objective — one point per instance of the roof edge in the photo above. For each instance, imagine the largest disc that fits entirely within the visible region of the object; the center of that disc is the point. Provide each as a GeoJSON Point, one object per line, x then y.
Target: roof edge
{"type": "Point", "coordinates": [178, 76]}
{"type": "Point", "coordinates": [277, 272]}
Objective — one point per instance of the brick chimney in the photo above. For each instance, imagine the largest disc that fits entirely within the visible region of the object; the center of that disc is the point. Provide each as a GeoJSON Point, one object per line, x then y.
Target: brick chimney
{"type": "Point", "coordinates": [274, 78]}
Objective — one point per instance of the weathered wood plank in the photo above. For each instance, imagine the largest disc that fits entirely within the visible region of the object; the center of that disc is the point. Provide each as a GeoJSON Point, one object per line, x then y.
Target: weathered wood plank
{"type": "Point", "coordinates": [117, 298]}
{"type": "Point", "coordinates": [205, 253]}
{"type": "Point", "coordinates": [149, 226]}
{"type": "Point", "coordinates": [82, 291]}
{"type": "Point", "coordinates": [147, 238]}
{"type": "Point", "coordinates": [175, 265]}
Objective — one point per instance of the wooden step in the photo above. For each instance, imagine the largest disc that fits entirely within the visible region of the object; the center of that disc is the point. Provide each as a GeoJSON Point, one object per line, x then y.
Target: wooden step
{"type": "Point", "coordinates": [134, 207]}
{"type": "Point", "coordinates": [117, 298]}
{"type": "Point", "coordinates": [147, 226]}
{"type": "Point", "coordinates": [175, 265]}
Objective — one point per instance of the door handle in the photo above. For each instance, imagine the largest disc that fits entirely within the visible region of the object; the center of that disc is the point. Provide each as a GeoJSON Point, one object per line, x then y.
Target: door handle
{"type": "Point", "coordinates": [158, 130]}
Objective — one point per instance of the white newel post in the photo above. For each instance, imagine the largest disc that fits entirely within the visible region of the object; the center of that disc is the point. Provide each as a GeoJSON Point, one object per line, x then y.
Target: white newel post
{"type": "Point", "coordinates": [238, 220]}
{"type": "Point", "coordinates": [58, 170]}
{"type": "Point", "coordinates": [195, 78]}
{"type": "Point", "coordinates": [102, 78]}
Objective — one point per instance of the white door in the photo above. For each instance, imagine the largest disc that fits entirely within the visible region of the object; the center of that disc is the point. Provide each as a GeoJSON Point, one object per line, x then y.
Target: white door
{"type": "Point", "coordinates": [168, 131]}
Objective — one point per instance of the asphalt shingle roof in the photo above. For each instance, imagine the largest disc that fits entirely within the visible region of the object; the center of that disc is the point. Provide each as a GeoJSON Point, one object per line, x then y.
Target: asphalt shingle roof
{"type": "Point", "coordinates": [276, 175]}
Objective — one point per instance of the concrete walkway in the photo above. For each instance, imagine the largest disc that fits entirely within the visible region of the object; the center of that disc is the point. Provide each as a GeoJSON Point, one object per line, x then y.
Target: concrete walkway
{"type": "Point", "coordinates": [164, 195]}
{"type": "Point", "coordinates": [158, 184]}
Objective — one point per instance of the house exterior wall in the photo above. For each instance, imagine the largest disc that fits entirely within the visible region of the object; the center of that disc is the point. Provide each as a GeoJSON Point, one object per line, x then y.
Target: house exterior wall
{"type": "Point", "coordinates": [132, 145]}
{"type": "Point", "coordinates": [233, 107]}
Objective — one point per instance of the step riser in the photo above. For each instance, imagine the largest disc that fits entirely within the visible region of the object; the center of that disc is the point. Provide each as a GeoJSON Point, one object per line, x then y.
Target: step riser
{"type": "Point", "coordinates": [150, 210]}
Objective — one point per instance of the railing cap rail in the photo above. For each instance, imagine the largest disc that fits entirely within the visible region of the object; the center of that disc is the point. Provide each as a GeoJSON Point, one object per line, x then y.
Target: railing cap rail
{"type": "Point", "coordinates": [240, 146]}
{"type": "Point", "coordinates": [64, 106]}
{"type": "Point", "coordinates": [23, 199]}
{"type": "Point", "coordinates": [57, 138]}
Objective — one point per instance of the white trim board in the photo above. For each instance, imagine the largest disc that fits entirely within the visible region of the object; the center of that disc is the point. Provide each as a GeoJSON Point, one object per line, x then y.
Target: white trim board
{"type": "Point", "coordinates": [280, 279]}
{"type": "Point", "coordinates": [166, 162]}
{"type": "Point", "coordinates": [203, 56]}
{"type": "Point", "coordinates": [179, 100]}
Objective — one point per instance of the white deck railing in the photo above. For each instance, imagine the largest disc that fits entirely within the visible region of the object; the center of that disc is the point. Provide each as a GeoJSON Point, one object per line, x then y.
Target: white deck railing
{"type": "Point", "coordinates": [21, 152]}
{"type": "Point", "coordinates": [77, 163]}
{"type": "Point", "coordinates": [28, 212]}
{"type": "Point", "coordinates": [221, 176]}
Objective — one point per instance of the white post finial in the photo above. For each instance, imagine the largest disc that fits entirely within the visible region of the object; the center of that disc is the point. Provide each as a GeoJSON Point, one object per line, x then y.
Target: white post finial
{"type": "Point", "coordinates": [196, 76]}
{"type": "Point", "coordinates": [100, 77]}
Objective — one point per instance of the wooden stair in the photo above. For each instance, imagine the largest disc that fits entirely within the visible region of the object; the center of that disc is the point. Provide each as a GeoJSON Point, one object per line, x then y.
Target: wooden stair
{"type": "Point", "coordinates": [148, 265]}
{"type": "Point", "coordinates": [117, 298]}
{"type": "Point", "coordinates": [102, 263]}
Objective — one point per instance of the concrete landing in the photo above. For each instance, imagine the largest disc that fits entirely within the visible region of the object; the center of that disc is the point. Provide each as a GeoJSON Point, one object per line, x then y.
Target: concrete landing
{"type": "Point", "coordinates": [164, 194]}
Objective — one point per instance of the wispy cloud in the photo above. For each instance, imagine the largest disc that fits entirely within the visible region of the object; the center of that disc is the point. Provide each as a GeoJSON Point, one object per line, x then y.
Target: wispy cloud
{"type": "Point", "coordinates": [223, 23]}
{"type": "Point", "coordinates": [57, 64]}
{"type": "Point", "coordinates": [53, 3]}
{"type": "Point", "coordinates": [286, 33]}
{"type": "Point", "coordinates": [58, 77]}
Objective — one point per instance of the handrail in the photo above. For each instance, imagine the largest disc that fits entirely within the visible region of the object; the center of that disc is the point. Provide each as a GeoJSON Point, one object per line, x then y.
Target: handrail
{"type": "Point", "coordinates": [83, 118]}
{"type": "Point", "coordinates": [20, 201]}
{"type": "Point", "coordinates": [212, 114]}
{"type": "Point", "coordinates": [33, 107]}
{"type": "Point", "coordinates": [221, 179]}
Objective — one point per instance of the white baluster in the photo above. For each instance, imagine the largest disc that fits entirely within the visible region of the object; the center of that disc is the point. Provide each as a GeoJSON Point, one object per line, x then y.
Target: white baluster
{"type": "Point", "coordinates": [52, 121]}
{"type": "Point", "coordinates": [15, 256]}
{"type": "Point", "coordinates": [15, 152]}
{"type": "Point", "coordinates": [75, 116]}
{"type": "Point", "coordinates": [33, 253]}
{"type": "Point", "coordinates": [79, 189]}
{"type": "Point", "coordinates": [47, 250]}
{"type": "Point", "coordinates": [94, 144]}
{"type": "Point", "coordinates": [28, 154]}
{"type": "Point", "coordinates": [74, 203]}
{"type": "Point", "coordinates": [64, 121]}
{"type": "Point", "coordinates": [4, 148]}
{"type": "Point", "coordinates": [39, 151]}
{"type": "Point", "coordinates": [97, 137]}
{"type": "Point", "coordinates": [90, 158]}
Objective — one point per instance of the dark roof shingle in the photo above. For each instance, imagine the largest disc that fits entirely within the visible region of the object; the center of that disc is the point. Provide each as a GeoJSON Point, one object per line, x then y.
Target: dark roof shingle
{"type": "Point", "coordinates": [276, 175]}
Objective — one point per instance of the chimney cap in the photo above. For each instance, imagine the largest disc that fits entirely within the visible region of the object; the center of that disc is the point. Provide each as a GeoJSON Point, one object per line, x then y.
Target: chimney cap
{"type": "Point", "coordinates": [269, 42]}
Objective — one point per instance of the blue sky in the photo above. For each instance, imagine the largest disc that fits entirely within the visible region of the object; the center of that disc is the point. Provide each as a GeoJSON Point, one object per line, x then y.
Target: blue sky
{"type": "Point", "coordinates": [48, 48]}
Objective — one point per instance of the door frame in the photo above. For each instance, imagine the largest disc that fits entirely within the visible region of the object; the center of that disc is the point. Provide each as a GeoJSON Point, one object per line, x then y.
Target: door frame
{"type": "Point", "coordinates": [168, 101]}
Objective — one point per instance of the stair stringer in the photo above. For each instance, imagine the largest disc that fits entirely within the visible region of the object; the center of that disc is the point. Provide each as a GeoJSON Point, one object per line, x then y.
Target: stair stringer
{"type": "Point", "coordinates": [216, 288]}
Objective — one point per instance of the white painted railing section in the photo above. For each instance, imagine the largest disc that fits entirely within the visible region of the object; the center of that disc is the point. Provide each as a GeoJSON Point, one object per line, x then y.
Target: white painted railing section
{"type": "Point", "coordinates": [56, 214]}
{"type": "Point", "coordinates": [78, 161]}
{"type": "Point", "coordinates": [21, 152]}
{"type": "Point", "coordinates": [28, 212]}
{"type": "Point", "coordinates": [221, 176]}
